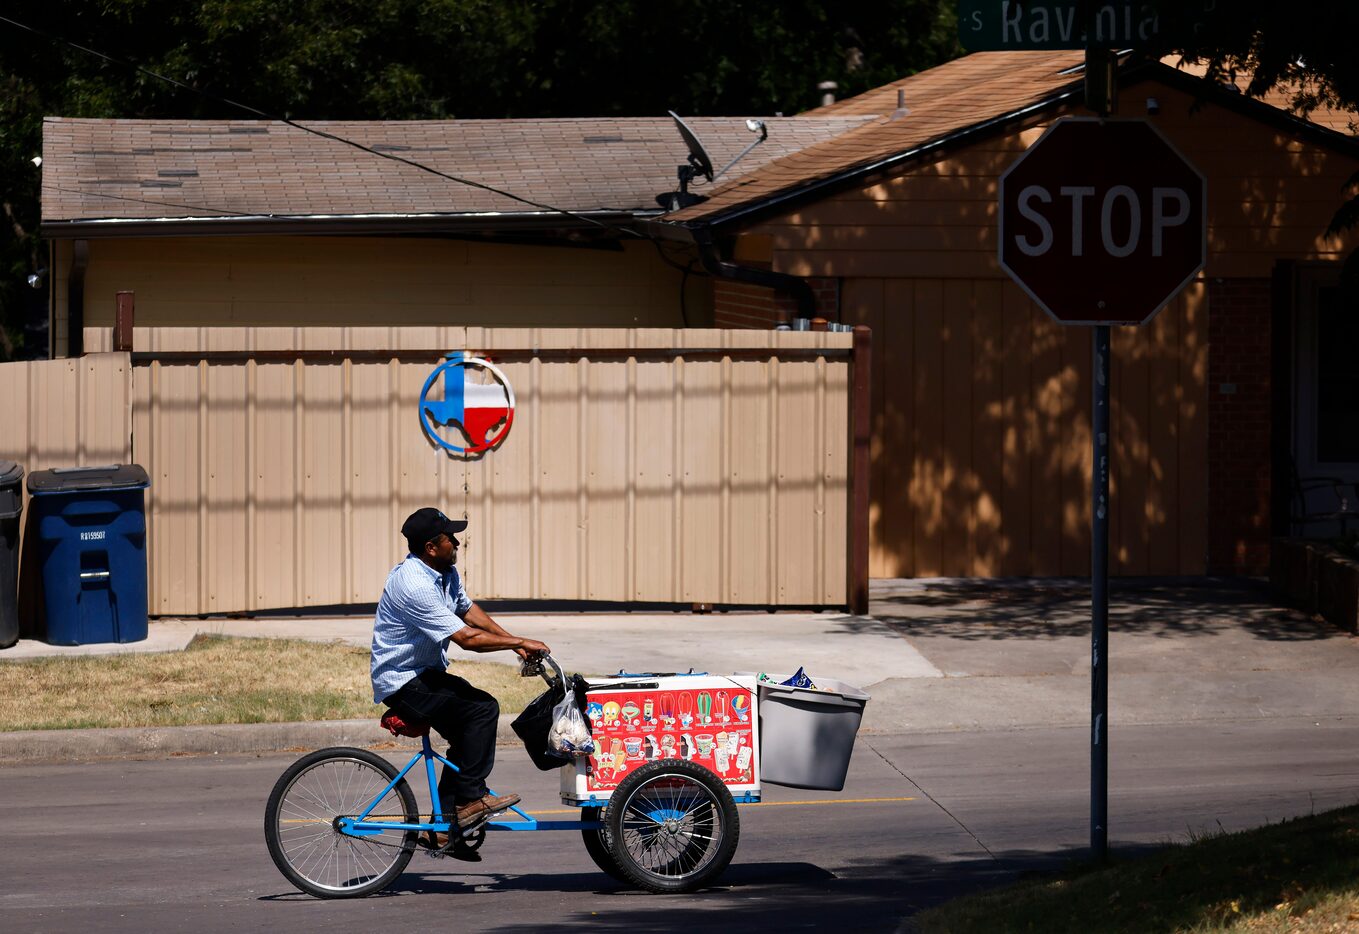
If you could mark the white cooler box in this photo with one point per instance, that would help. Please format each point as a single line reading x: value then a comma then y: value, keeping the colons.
x: 636, y: 719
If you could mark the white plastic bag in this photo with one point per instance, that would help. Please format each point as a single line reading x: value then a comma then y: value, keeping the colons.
x: 569, y: 733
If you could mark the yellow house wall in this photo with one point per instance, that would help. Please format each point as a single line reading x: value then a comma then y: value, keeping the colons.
x: 302, y: 281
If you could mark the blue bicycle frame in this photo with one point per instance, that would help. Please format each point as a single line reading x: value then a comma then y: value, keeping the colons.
x: 362, y: 827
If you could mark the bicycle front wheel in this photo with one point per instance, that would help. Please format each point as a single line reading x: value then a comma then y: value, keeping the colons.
x: 671, y: 826
x: 301, y: 823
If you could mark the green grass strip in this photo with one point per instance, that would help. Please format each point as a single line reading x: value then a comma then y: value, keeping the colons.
x: 1300, y: 875
x: 217, y: 679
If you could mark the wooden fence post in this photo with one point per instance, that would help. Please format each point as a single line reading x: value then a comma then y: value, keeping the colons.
x: 861, y: 430
x: 122, y: 322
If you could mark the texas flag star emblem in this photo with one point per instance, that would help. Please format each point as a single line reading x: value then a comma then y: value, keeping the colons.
x: 477, y: 405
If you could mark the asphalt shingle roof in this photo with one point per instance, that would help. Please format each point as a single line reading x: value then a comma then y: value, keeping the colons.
x: 142, y: 169
x: 95, y: 170
x: 938, y: 103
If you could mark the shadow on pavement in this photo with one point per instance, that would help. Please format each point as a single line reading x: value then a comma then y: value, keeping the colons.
x: 762, y: 897
x: 975, y: 610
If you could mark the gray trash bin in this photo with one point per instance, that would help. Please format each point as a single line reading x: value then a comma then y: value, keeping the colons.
x: 807, y: 736
x: 11, y: 507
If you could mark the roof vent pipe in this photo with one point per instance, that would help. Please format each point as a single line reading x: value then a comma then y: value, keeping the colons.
x: 901, y: 110
x: 827, y: 89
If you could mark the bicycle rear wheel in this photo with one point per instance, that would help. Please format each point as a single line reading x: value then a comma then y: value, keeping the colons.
x: 301, y: 823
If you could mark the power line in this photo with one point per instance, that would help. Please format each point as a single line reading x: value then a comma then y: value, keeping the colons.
x: 321, y: 133
x: 168, y: 204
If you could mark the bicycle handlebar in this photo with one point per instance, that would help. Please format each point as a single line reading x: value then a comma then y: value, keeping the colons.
x: 537, y: 665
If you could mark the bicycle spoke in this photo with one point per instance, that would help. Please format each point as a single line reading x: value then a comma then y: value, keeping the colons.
x: 670, y: 826
x: 311, y: 843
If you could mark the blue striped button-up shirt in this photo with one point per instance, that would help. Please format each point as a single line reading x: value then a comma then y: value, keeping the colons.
x: 419, y: 610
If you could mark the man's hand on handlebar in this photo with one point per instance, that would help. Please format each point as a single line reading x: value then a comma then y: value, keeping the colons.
x: 532, y: 648
x: 531, y: 659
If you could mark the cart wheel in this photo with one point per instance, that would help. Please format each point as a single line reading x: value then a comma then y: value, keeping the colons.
x: 597, y: 844
x: 671, y: 826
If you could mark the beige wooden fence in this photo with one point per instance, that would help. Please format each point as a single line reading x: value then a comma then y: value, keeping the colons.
x: 66, y: 413
x: 653, y: 471
x: 62, y: 413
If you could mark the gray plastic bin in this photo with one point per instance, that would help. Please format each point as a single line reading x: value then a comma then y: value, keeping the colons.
x: 806, y: 736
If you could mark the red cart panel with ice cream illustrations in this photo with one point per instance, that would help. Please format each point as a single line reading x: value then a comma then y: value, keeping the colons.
x: 707, y: 719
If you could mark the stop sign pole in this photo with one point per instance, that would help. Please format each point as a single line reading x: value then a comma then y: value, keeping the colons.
x: 1101, y: 222
x: 1100, y: 96
x: 1103, y: 227
x: 1099, y: 594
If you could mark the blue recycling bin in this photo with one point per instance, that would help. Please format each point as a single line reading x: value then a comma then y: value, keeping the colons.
x: 91, y: 528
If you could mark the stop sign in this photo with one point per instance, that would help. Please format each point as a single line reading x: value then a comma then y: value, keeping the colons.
x: 1102, y: 221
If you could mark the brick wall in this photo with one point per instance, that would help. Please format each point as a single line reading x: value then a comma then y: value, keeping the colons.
x: 741, y: 305
x: 1238, y: 426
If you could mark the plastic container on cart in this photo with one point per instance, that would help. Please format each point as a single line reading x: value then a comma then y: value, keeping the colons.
x: 11, y: 506
x: 807, y: 735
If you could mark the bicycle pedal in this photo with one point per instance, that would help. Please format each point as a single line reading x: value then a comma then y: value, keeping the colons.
x: 461, y: 851
x: 457, y: 848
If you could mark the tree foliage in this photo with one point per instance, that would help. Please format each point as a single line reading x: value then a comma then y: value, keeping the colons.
x: 407, y: 59
x: 1304, y: 49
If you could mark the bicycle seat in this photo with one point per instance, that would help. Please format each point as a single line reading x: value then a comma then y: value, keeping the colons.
x: 392, y: 722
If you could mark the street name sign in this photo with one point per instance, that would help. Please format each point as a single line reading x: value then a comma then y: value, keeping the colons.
x: 1102, y: 221
x: 1007, y: 25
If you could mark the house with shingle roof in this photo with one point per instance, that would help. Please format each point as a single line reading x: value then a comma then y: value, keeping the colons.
x: 515, y: 222
x: 878, y: 210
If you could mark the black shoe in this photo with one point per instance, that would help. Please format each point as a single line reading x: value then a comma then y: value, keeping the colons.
x: 454, y: 846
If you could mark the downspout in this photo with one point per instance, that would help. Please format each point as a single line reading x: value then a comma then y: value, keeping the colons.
x: 712, y: 261
x: 75, y: 301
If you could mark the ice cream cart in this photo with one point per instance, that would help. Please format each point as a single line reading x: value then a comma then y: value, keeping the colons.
x: 673, y: 754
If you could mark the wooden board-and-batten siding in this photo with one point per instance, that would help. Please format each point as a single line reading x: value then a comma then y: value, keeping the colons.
x: 981, y: 460
x: 981, y: 457
x: 652, y: 477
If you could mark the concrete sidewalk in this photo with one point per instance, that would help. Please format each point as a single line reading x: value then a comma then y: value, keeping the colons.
x: 936, y: 655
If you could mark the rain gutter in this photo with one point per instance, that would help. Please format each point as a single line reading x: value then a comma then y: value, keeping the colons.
x: 710, y: 255
x: 332, y: 224
x: 796, y: 286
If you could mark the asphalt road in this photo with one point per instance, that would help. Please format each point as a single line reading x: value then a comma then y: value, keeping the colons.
x: 177, y: 844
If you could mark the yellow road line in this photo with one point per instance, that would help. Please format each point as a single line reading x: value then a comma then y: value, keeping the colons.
x: 769, y: 804
x: 780, y: 804
x: 758, y: 804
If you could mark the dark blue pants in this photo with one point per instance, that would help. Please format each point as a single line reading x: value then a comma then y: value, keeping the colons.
x: 463, y: 715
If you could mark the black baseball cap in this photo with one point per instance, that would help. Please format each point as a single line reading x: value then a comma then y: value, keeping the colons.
x: 425, y: 525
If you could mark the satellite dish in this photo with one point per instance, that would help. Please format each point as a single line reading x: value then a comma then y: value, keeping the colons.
x: 698, y: 156
x: 700, y: 164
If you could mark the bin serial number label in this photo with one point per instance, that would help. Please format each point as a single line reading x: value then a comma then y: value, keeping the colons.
x: 93, y: 536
